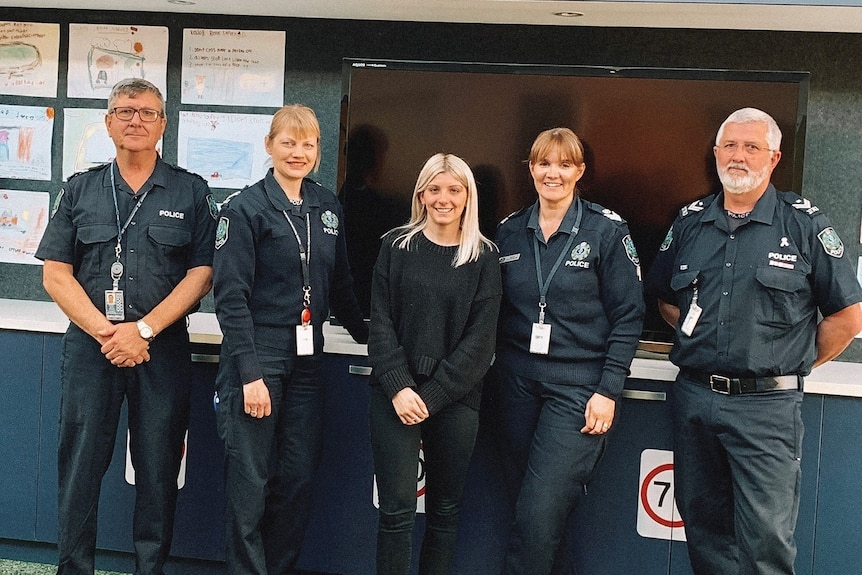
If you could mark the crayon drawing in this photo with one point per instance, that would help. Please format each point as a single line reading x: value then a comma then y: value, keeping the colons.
x: 100, y: 55
x: 226, y: 149
x: 25, y: 142
x: 29, y: 59
x: 23, y: 217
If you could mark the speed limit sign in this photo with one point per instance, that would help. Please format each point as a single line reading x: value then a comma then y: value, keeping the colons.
x: 657, y: 514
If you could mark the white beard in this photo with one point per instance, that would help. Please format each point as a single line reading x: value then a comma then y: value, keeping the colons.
x: 739, y: 185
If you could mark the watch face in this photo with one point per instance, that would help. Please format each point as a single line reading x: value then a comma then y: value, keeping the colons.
x: 145, y: 331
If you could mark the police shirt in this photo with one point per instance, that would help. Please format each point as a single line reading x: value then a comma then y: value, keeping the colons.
x: 759, y: 286
x: 257, y: 274
x: 594, y: 302
x: 171, y: 233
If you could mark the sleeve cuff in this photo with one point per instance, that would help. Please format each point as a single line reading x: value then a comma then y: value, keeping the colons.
x: 395, y: 380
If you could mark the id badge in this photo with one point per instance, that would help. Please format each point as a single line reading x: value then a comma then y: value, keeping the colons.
x: 304, y: 340
x: 540, y: 338
x: 114, y: 306
x: 691, y: 319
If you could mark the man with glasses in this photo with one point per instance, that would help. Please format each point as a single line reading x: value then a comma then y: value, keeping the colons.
x: 742, y: 276
x: 128, y: 254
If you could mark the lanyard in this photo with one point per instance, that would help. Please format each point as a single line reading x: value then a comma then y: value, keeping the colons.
x: 117, y: 267
x: 543, y: 284
x: 304, y: 259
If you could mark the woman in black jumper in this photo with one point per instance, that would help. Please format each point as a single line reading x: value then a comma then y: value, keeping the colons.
x: 435, y: 297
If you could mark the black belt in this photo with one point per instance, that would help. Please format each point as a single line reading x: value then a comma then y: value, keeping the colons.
x: 736, y: 385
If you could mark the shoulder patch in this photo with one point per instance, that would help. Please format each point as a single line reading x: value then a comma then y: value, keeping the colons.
x: 832, y: 244
x: 213, y: 206
x: 57, y: 201
x: 668, y: 240
x: 222, y: 232
x: 631, y: 251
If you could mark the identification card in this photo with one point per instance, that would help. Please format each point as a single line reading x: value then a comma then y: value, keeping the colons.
x: 114, y: 306
x: 691, y: 319
x: 304, y: 340
x: 540, y: 339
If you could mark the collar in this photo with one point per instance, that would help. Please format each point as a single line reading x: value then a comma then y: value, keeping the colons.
x: 763, y: 212
x: 310, y: 197
x: 565, y: 225
x: 159, y: 177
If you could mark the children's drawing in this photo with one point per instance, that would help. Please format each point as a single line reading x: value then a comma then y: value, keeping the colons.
x: 23, y: 217
x: 101, y: 55
x: 25, y: 142
x: 29, y: 58
x: 226, y: 149
x: 233, y: 67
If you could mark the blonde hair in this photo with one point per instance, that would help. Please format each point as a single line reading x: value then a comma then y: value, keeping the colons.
x: 562, y: 140
x: 298, y: 119
x: 472, y: 242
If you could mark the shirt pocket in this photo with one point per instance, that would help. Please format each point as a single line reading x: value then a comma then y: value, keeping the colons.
x: 782, y: 296
x: 166, y: 255
x: 96, y: 243
x: 682, y: 284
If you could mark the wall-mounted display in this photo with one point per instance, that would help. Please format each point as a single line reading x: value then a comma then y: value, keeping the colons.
x: 25, y: 142
x: 29, y: 59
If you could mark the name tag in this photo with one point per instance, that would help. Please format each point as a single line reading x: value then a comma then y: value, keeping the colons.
x: 540, y: 338
x: 511, y: 258
x: 304, y: 340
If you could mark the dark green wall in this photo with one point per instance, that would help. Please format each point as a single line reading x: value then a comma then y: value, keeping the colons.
x: 833, y: 155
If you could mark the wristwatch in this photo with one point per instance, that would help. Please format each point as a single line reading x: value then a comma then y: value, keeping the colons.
x: 145, y: 331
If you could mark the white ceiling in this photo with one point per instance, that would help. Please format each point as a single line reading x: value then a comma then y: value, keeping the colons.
x: 750, y: 15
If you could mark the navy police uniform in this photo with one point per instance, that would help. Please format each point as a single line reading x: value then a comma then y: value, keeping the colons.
x: 759, y: 286
x: 171, y: 233
x: 258, y: 287
x: 595, y: 308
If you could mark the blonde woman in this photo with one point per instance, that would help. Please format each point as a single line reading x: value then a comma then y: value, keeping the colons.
x: 434, y: 302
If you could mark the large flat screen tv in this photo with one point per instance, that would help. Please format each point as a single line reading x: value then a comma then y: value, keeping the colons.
x: 648, y: 135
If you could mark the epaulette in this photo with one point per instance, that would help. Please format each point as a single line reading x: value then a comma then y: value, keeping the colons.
x: 606, y: 212
x: 182, y: 169
x: 88, y: 170
x: 512, y: 215
x: 799, y: 203
x: 225, y: 201
x: 696, y: 206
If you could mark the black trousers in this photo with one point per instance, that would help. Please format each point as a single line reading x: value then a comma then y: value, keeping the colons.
x: 93, y: 392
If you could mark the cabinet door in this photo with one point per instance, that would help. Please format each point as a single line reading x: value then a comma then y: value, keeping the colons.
x: 20, y: 371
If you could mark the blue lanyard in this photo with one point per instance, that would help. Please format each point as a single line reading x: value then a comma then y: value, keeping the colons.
x: 304, y: 256
x: 121, y: 230
x: 543, y: 284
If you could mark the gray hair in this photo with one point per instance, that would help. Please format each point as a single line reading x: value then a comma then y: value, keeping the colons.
x: 745, y: 115
x: 131, y: 87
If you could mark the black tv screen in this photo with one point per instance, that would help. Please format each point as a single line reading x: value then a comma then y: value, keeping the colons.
x: 648, y: 135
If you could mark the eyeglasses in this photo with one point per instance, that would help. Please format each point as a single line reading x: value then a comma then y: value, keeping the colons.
x: 126, y: 114
x: 748, y: 148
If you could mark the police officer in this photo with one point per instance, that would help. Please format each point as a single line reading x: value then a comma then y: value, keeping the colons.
x: 742, y: 275
x: 280, y: 264
x: 569, y: 326
x: 128, y: 254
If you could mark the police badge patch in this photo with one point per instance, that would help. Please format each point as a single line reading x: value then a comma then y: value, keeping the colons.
x: 221, y: 232
x: 330, y: 222
x: 831, y: 242
x: 581, y: 252
x: 631, y: 251
x: 56, y: 205
x: 668, y: 239
x: 213, y: 206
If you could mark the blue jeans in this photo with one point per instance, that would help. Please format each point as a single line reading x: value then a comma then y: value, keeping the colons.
x: 270, y: 462
x: 737, y: 474
x: 447, y: 438
x: 548, y: 462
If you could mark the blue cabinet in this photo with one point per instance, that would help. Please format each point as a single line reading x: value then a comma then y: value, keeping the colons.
x: 20, y: 413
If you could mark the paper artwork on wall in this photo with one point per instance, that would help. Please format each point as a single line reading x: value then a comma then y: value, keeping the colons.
x: 23, y: 217
x: 100, y: 55
x: 226, y: 149
x: 233, y: 67
x: 29, y: 59
x: 25, y: 142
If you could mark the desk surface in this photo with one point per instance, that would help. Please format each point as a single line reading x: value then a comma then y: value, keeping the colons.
x: 834, y: 378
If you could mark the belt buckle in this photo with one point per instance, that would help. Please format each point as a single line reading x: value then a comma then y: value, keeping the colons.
x: 719, y: 384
